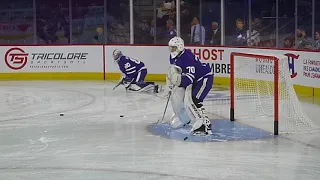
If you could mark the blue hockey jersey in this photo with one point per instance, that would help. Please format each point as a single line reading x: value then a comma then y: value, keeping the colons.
x: 129, y: 66
x: 192, y: 69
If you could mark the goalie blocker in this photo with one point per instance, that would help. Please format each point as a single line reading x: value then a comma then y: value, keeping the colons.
x: 193, y: 81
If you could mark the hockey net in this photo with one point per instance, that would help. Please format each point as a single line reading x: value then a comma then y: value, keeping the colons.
x: 262, y: 96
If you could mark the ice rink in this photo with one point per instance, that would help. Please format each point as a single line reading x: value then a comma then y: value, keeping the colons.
x: 92, y: 142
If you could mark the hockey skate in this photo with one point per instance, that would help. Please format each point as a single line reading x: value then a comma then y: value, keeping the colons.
x: 202, y: 127
x: 158, y: 88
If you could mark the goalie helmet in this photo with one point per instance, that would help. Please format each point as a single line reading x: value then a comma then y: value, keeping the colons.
x: 117, y: 54
x: 176, y: 46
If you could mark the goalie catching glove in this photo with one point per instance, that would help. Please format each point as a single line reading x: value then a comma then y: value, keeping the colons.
x: 174, y: 75
x: 125, y: 81
x: 173, y: 79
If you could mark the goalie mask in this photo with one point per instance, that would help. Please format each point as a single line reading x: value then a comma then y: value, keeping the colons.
x: 176, y: 46
x: 117, y: 54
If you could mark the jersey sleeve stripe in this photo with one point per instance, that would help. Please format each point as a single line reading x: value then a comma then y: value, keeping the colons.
x: 131, y: 72
x: 190, y: 78
x: 202, y: 88
x: 129, y: 69
x: 190, y: 75
x: 204, y: 76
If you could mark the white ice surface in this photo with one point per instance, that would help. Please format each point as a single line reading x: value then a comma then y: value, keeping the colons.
x: 91, y: 141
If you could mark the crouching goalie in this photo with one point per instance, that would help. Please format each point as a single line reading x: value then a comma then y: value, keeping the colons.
x: 190, y: 81
x: 133, y: 73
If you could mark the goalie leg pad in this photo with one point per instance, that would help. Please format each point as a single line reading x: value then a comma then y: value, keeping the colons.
x: 141, y: 87
x: 177, y: 98
x: 196, y: 112
x: 177, y: 102
x: 191, y: 108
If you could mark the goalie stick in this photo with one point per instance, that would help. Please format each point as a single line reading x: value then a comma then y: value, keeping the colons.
x: 121, y: 82
x: 169, y: 96
x: 165, y: 109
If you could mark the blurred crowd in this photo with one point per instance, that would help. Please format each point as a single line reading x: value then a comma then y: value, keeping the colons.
x: 86, y: 22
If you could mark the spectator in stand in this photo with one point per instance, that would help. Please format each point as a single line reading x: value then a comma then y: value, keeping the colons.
x: 288, y: 42
x: 184, y: 8
x: 154, y: 31
x: 317, y: 43
x: 172, y: 15
x: 257, y: 24
x: 254, y: 40
x: 268, y: 43
x: 163, y: 12
x: 240, y: 37
x: 303, y: 41
x: 171, y: 31
x: 215, y: 34
x: 49, y: 21
x: 258, y: 34
x: 198, y: 32
x: 99, y: 38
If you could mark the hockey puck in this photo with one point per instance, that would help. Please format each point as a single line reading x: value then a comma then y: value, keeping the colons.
x: 121, y: 116
x: 185, y: 138
x: 61, y: 114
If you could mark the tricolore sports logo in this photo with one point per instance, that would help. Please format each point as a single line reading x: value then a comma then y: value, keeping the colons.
x: 16, y: 58
x: 291, y: 59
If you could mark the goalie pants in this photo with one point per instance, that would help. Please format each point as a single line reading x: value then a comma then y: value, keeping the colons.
x: 201, y: 88
x: 141, y: 75
x: 139, y: 79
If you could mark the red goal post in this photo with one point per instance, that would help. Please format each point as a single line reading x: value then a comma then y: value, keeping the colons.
x: 276, y: 85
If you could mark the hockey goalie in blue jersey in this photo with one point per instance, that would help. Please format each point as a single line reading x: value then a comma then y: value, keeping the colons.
x: 189, y: 81
x: 133, y: 73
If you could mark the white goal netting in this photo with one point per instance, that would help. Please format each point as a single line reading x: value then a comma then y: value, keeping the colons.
x: 254, y: 100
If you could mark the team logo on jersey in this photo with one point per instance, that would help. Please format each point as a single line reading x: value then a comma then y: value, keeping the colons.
x: 291, y: 59
x: 16, y: 58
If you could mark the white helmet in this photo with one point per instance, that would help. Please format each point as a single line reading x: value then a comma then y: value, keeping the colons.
x: 116, y: 55
x: 176, y: 46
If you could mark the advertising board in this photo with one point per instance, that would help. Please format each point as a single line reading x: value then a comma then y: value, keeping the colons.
x: 51, y: 59
x: 304, y: 67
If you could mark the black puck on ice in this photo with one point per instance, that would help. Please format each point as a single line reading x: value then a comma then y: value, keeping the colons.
x: 61, y: 114
x: 185, y: 138
x: 121, y: 115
